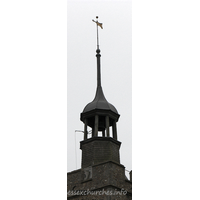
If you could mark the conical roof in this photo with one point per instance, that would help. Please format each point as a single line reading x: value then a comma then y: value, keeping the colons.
x: 99, y: 103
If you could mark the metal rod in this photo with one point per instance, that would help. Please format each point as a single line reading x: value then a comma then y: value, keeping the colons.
x: 75, y: 149
x: 98, y: 24
x: 97, y: 38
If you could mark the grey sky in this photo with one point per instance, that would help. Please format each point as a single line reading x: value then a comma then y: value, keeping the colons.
x: 165, y: 93
x: 115, y: 44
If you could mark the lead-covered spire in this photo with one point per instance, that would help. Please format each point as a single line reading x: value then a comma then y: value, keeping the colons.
x: 99, y: 114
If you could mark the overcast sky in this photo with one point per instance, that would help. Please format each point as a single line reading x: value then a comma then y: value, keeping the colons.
x: 165, y: 92
x: 116, y: 55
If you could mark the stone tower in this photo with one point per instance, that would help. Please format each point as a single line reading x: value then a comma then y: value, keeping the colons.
x: 101, y: 176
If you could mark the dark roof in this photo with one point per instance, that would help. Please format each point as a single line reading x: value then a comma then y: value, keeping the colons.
x: 99, y: 102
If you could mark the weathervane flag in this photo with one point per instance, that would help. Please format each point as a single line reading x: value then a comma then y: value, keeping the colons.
x: 98, y: 24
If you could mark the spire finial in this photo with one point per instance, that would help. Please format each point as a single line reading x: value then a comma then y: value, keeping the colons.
x: 98, y: 24
x: 98, y: 55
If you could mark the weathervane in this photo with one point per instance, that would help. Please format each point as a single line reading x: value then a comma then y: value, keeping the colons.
x: 98, y: 24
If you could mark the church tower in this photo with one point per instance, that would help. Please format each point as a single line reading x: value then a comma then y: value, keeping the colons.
x: 101, y: 176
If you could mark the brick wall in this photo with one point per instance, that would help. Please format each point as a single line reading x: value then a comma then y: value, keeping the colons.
x: 101, y: 171
x: 106, y: 177
x: 99, y: 150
